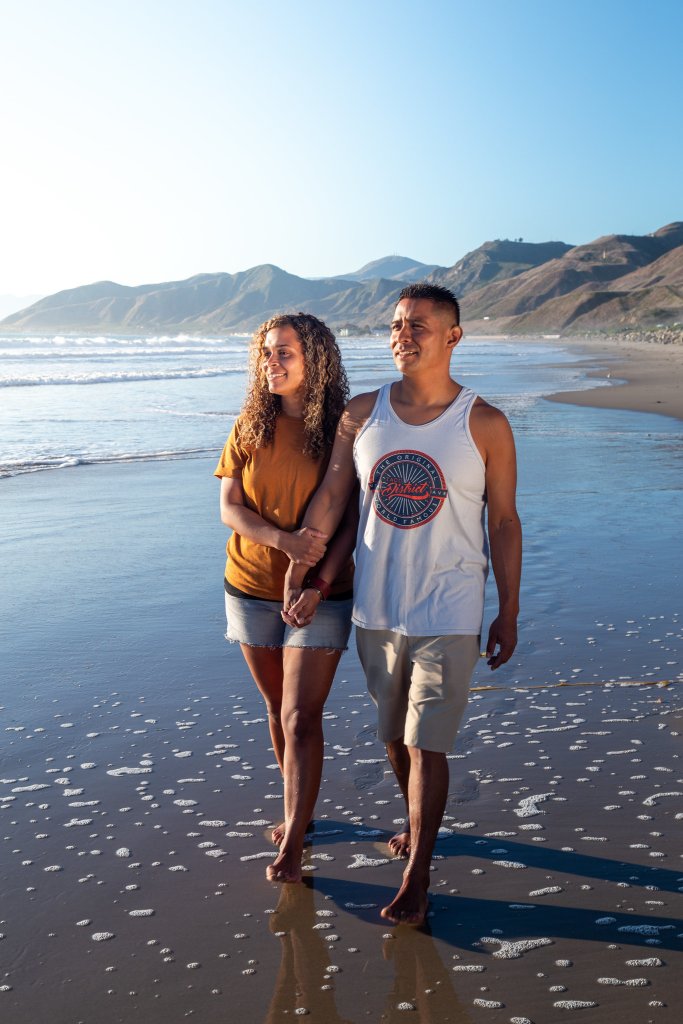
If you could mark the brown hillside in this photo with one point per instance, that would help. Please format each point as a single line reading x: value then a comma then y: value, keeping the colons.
x: 600, y: 262
x: 667, y: 270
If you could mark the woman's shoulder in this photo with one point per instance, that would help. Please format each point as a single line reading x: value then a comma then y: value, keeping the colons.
x: 239, y: 432
x: 237, y: 442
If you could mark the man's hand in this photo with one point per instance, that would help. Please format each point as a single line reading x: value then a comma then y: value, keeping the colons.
x: 503, y: 634
x: 305, y: 546
x: 302, y: 610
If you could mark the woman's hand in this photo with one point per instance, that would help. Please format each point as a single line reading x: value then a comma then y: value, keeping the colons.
x: 301, y: 611
x: 304, y: 547
x: 291, y: 594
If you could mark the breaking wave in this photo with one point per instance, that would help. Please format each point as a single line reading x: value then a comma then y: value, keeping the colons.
x: 19, y: 467
x: 38, y: 380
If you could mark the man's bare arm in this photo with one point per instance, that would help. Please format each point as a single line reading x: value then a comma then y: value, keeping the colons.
x: 329, y: 502
x: 492, y: 434
x: 299, y: 605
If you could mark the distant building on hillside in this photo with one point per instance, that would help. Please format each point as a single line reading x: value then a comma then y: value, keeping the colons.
x: 354, y: 330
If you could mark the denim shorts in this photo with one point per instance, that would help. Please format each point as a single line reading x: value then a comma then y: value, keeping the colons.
x: 260, y: 624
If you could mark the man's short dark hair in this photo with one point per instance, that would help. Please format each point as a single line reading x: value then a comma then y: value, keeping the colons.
x: 435, y: 293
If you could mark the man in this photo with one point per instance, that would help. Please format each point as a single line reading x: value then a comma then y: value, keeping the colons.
x: 430, y: 457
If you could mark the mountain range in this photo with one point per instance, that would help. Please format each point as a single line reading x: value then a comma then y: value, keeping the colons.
x: 510, y: 286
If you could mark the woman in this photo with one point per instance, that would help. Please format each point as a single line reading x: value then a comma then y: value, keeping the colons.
x: 270, y: 468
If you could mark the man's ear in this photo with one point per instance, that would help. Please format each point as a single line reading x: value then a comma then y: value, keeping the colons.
x: 455, y: 336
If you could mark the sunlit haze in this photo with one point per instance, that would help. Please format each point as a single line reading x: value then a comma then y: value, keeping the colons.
x: 152, y: 141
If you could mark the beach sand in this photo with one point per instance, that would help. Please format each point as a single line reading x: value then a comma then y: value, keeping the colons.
x: 646, y: 377
x: 137, y: 788
x: 135, y: 884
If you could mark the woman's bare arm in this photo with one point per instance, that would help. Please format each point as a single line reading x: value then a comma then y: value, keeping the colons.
x: 304, y: 547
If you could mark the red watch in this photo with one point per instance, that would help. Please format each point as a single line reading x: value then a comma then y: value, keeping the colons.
x: 316, y: 583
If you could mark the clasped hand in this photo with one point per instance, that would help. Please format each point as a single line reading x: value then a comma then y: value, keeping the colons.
x: 300, y: 606
x: 305, y: 546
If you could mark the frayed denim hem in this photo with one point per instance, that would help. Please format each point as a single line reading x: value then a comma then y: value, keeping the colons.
x: 309, y: 647
x: 287, y: 647
x: 261, y: 647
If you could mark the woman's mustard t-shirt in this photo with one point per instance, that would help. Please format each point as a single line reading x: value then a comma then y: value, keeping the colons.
x: 278, y: 483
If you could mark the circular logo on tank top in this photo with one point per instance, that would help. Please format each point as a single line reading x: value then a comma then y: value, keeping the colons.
x: 409, y: 489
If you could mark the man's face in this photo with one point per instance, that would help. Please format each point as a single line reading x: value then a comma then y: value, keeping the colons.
x: 423, y: 336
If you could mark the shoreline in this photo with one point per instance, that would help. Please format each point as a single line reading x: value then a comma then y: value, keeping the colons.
x: 649, y: 377
x: 645, y: 375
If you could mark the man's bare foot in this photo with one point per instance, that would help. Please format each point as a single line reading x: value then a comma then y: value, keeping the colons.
x: 285, y: 868
x: 400, y: 843
x: 409, y: 906
x: 278, y: 833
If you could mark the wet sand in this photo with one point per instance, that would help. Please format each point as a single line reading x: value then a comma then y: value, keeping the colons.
x: 645, y: 377
x: 137, y: 788
x: 136, y: 841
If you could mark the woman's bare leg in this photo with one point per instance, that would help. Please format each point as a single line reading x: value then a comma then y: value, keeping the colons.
x: 265, y: 665
x: 308, y: 676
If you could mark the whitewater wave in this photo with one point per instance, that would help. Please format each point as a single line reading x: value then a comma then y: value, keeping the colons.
x: 116, y: 354
x: 40, y: 380
x: 59, y: 340
x: 194, y: 414
x: 19, y: 467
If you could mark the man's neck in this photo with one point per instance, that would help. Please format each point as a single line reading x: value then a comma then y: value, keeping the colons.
x: 418, y: 401
x: 425, y: 392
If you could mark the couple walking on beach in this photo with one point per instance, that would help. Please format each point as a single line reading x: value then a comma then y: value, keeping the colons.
x: 404, y: 475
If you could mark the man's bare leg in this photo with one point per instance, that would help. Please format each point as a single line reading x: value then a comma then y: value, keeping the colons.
x: 427, y: 795
x: 399, y: 759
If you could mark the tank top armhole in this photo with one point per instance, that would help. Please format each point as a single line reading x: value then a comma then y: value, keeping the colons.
x: 381, y: 395
x: 468, y: 431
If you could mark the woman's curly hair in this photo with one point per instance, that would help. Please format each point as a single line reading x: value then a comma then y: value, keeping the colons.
x: 326, y: 388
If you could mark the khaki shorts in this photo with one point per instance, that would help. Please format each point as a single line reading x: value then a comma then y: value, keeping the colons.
x: 420, y: 684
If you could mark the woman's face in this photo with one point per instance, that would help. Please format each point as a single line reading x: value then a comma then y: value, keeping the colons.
x: 283, y: 359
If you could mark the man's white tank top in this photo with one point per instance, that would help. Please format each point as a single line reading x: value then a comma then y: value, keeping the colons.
x: 422, y: 556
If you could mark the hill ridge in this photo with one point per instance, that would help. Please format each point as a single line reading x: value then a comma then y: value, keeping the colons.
x: 616, y: 280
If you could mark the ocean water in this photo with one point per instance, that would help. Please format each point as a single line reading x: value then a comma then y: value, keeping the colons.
x: 107, y: 448
x: 135, y: 764
x: 70, y: 401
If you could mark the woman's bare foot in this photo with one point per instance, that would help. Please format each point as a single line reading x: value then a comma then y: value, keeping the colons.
x: 278, y: 833
x: 400, y: 843
x: 409, y: 906
x: 285, y: 868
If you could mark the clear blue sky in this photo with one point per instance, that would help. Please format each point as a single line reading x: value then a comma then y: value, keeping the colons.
x: 154, y: 139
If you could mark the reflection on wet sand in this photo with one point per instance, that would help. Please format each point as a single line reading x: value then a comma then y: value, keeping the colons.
x: 304, y: 980
x: 421, y: 981
x: 307, y: 981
